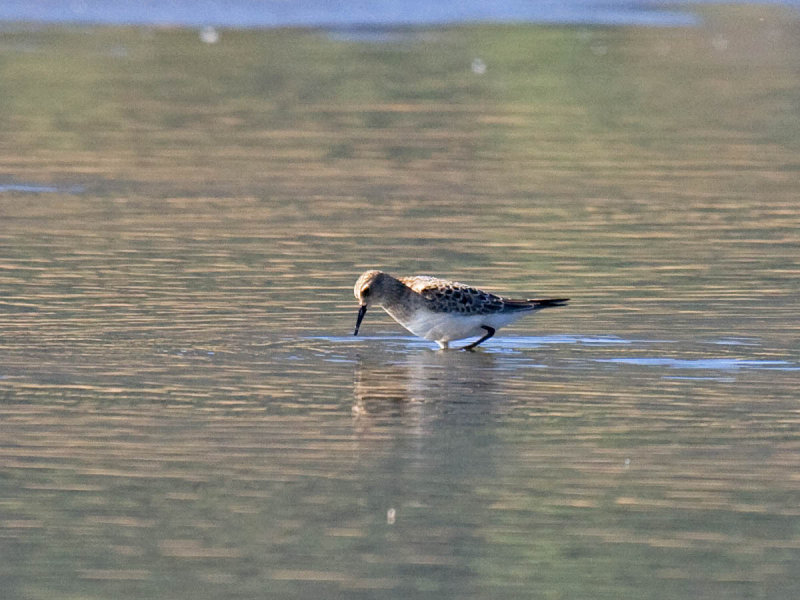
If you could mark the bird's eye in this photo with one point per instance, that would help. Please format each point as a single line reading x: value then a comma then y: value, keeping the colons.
x: 365, y: 292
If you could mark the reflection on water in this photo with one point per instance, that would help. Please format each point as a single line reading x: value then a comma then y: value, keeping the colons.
x: 184, y: 411
x: 402, y: 386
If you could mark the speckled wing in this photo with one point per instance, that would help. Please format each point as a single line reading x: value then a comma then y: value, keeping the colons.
x: 441, y: 295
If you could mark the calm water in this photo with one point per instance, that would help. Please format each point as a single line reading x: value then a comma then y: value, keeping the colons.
x: 184, y: 412
x: 333, y: 13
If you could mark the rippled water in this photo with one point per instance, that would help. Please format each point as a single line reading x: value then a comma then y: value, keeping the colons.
x: 184, y: 411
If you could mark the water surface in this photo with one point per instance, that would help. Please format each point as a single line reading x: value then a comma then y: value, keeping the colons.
x: 185, y: 413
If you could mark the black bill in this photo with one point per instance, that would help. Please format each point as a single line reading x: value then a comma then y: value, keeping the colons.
x: 361, y: 312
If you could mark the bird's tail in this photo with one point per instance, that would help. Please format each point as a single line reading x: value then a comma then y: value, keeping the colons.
x: 547, y: 302
x: 534, y: 303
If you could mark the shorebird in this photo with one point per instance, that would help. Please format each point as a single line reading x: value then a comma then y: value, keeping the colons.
x: 441, y: 310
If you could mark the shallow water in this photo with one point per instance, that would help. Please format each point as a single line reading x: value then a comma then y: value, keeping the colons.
x: 184, y: 411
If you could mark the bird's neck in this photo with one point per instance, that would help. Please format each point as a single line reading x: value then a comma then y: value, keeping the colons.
x: 398, y: 300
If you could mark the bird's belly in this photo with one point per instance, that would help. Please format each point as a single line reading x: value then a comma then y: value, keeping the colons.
x: 445, y: 327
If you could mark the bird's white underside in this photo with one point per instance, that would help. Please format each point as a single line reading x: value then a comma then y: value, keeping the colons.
x: 442, y: 327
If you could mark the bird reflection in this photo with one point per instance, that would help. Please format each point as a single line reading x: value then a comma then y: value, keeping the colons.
x: 417, y: 417
x: 422, y: 385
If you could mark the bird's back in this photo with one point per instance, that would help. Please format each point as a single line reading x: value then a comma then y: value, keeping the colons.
x: 443, y: 295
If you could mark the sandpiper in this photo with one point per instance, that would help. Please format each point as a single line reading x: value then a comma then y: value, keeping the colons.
x: 441, y: 310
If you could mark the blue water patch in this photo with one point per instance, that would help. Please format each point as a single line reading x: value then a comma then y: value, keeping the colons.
x: 688, y: 378
x: 335, y: 14
x: 32, y: 188
x: 360, y: 339
x: 715, y: 364
x: 734, y: 341
x: 601, y: 340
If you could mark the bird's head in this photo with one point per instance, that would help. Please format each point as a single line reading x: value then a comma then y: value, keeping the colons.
x: 370, y: 289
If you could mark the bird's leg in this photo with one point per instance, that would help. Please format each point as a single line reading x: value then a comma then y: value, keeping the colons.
x: 489, y: 333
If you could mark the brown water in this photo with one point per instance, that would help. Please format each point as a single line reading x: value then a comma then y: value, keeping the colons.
x: 184, y: 412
